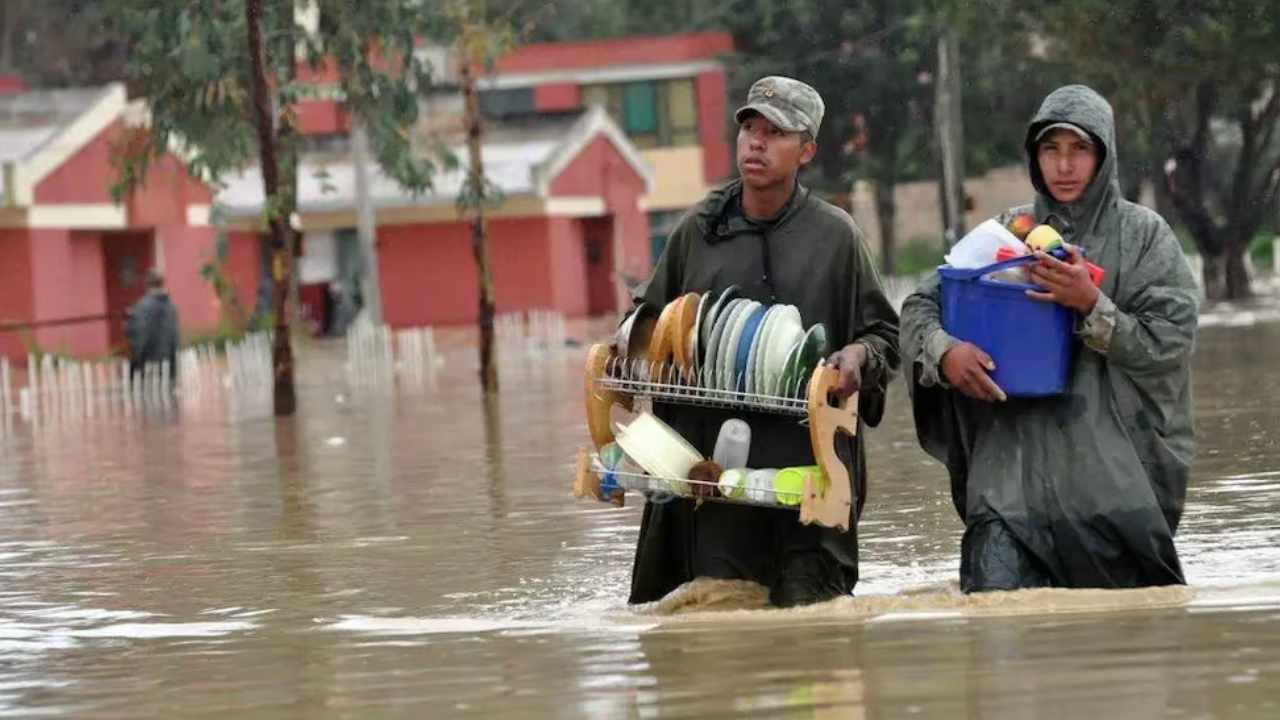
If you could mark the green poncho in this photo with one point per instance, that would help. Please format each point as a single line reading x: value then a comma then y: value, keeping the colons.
x: 812, y: 256
x: 1085, y: 489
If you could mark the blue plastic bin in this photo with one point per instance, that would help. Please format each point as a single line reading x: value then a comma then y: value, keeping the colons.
x: 1030, y: 341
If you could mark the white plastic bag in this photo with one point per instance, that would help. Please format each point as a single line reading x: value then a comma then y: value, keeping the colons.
x: 978, y: 248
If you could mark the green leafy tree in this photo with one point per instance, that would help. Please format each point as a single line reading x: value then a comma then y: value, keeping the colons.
x: 220, y: 78
x: 1196, y: 88
x: 56, y: 43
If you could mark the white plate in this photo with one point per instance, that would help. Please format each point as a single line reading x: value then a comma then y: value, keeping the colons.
x: 729, y: 350
x: 711, y: 368
x: 788, y: 332
x: 718, y: 306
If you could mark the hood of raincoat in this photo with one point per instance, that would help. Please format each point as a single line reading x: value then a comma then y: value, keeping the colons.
x: 1084, y: 108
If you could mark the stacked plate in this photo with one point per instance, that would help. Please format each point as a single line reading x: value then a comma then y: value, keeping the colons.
x: 743, y: 346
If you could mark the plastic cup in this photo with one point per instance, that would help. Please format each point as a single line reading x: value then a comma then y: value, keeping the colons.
x: 788, y: 484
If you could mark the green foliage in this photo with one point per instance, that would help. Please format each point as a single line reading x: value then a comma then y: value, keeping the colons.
x: 190, y: 60
x: 219, y: 338
x: 1262, y: 250
x: 59, y: 43
x: 918, y: 255
x: 864, y: 58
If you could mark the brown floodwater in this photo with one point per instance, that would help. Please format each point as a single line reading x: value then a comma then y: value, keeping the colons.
x: 402, y: 552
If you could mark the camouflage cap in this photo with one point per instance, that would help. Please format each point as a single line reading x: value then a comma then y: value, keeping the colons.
x: 785, y: 102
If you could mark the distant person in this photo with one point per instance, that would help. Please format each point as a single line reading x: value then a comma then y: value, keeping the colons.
x: 779, y: 243
x: 1085, y: 489
x: 151, y: 327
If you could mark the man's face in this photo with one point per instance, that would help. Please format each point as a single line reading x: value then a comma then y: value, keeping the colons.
x: 1067, y: 163
x: 769, y: 155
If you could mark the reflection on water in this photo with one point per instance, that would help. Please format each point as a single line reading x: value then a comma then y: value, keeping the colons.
x: 418, y: 553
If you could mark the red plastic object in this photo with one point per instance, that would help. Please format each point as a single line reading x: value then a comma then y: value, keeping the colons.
x: 1095, y: 272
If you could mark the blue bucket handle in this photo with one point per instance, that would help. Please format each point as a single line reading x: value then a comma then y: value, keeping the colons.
x: 971, y: 273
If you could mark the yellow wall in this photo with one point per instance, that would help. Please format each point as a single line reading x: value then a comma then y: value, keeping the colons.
x: 677, y: 177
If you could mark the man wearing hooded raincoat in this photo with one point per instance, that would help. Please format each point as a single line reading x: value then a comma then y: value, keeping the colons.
x: 151, y: 327
x: 1084, y: 489
x: 777, y: 242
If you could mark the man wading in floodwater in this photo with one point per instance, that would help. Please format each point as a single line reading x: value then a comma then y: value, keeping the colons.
x: 778, y: 243
x: 1085, y: 489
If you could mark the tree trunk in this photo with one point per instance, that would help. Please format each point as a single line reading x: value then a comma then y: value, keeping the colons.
x: 1213, y: 275
x: 287, y: 150
x: 366, y: 225
x: 949, y: 121
x: 475, y: 204
x: 281, y: 262
x: 886, y: 213
x: 1236, y: 275
x: 8, y: 24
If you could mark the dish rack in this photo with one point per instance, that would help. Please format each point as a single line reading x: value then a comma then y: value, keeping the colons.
x: 616, y: 381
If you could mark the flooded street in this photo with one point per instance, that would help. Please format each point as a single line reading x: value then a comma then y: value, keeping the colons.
x: 400, y: 554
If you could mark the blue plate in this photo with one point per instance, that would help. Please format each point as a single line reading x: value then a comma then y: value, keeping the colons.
x: 744, y: 345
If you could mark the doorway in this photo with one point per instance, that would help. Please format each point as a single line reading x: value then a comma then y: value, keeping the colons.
x: 126, y: 258
x: 601, y: 295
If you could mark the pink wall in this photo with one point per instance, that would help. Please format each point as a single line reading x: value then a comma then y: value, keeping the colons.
x: 185, y: 250
x: 519, y: 251
x: 568, y: 259
x: 164, y: 198
x: 712, y: 133
x: 556, y: 96
x: 15, y: 289
x: 85, y: 177
x: 616, y: 51
x: 244, y: 267
x: 68, y: 282
x: 428, y: 271
x: 322, y: 117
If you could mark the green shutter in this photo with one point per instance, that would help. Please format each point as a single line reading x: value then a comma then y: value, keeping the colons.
x: 640, y: 106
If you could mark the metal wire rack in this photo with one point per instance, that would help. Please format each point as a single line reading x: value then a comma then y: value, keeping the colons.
x: 706, y: 387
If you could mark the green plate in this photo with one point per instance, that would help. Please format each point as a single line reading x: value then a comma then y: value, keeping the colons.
x: 800, y: 364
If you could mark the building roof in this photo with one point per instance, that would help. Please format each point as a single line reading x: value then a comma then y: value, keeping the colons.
x: 41, y: 129
x: 520, y: 158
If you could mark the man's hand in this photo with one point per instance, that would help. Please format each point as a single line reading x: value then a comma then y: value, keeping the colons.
x: 966, y: 367
x: 1066, y: 283
x: 849, y: 361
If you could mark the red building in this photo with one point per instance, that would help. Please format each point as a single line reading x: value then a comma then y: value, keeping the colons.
x: 597, y: 148
x: 72, y: 260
